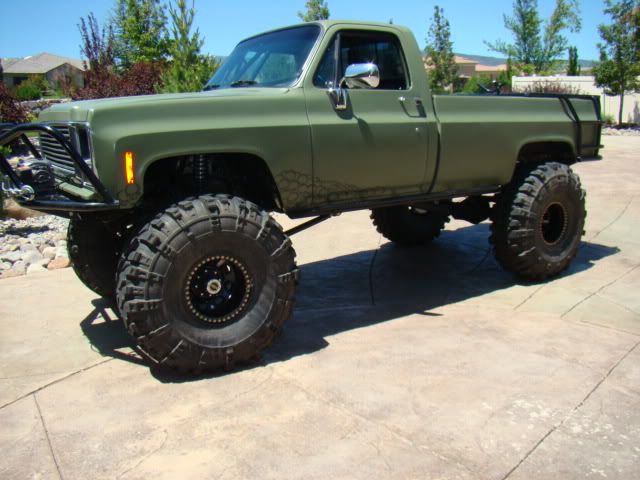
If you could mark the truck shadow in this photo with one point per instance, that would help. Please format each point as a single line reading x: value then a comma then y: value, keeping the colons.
x: 362, y: 289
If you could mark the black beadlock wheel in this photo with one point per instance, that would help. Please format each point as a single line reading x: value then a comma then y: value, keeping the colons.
x: 207, y: 284
x: 408, y: 225
x: 94, y: 249
x: 538, y: 221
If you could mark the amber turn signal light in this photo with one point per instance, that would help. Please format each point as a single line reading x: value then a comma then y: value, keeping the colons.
x: 129, y: 168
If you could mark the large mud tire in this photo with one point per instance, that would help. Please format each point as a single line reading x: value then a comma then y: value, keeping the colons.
x: 94, y: 249
x: 207, y: 284
x: 538, y: 221
x: 407, y: 225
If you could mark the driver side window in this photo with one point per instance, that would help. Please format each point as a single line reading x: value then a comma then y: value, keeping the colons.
x: 383, y: 49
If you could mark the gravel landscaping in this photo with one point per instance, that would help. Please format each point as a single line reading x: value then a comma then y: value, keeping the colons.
x: 629, y: 131
x: 32, y: 245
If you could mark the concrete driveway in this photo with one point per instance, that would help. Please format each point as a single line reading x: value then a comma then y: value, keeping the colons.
x: 399, y: 363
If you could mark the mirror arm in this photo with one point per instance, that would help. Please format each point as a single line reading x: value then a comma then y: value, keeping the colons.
x: 338, y: 97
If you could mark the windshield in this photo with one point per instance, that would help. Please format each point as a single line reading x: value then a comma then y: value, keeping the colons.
x: 270, y: 60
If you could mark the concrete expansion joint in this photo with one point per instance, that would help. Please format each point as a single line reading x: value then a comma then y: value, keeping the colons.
x: 570, y: 414
x: 481, y: 262
x: 530, y: 296
x: 145, y: 457
x: 618, y: 217
x: 620, y: 277
x: 46, y: 433
x: 58, y: 380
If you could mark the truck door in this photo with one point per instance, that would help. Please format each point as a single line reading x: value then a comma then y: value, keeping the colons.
x: 377, y: 147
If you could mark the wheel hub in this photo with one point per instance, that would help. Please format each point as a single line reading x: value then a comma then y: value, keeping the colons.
x: 214, y: 286
x: 554, y: 223
x: 217, y: 289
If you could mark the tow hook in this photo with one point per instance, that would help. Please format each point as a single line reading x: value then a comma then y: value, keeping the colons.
x: 24, y: 193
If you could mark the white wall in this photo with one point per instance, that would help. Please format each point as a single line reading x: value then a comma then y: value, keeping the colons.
x: 587, y: 86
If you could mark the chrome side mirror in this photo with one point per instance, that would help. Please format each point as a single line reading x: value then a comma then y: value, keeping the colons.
x: 362, y: 75
x: 357, y: 75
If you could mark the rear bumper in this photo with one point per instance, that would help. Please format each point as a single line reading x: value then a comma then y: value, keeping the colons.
x: 39, y: 193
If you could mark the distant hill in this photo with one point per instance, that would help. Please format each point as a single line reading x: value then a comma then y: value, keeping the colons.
x: 494, y: 61
x: 488, y: 61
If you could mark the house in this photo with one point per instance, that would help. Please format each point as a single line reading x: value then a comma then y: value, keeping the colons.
x: 467, y: 68
x: 53, y: 68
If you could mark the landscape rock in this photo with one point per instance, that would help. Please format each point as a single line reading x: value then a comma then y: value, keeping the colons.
x: 12, y: 256
x: 35, y: 268
x: 43, y: 262
x: 29, y: 247
x: 59, y: 262
x: 19, y: 266
x: 32, y: 256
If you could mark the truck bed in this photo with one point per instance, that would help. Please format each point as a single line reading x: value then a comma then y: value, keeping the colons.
x: 503, y: 125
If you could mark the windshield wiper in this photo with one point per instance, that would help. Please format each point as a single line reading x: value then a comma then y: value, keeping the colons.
x: 211, y: 86
x: 243, y: 83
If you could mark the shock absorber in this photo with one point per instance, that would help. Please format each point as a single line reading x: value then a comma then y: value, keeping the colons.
x: 200, y: 173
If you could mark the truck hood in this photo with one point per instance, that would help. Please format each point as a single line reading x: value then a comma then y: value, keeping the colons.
x: 82, y: 111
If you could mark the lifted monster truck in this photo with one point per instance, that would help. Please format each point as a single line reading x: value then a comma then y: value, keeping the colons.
x: 170, y: 196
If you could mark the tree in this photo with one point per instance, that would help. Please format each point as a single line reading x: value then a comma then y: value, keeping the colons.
x: 619, y: 66
x: 189, y: 69
x: 439, y: 52
x: 98, y: 52
x: 140, y: 29
x: 573, y: 67
x: 534, y: 50
x: 316, y: 10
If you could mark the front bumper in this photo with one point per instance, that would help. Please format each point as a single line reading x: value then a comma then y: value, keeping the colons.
x: 57, y: 196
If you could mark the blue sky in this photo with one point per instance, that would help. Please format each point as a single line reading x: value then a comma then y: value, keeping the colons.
x: 51, y: 26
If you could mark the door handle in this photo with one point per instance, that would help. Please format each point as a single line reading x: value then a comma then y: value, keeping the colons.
x: 418, y: 100
x: 419, y: 106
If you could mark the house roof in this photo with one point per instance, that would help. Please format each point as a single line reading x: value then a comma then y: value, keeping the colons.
x: 39, y: 64
x: 462, y: 60
x: 491, y: 68
x: 7, y: 62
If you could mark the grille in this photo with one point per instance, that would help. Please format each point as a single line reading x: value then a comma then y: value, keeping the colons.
x: 57, y: 155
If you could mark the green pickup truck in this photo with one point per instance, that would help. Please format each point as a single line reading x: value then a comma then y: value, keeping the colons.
x: 169, y: 196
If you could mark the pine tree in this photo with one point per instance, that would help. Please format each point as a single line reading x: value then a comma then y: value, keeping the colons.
x: 439, y: 51
x: 316, y: 10
x: 189, y: 69
x: 534, y: 50
x: 619, y: 66
x: 140, y: 29
x: 573, y: 67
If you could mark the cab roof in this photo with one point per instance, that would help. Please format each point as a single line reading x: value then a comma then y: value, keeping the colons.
x: 326, y: 24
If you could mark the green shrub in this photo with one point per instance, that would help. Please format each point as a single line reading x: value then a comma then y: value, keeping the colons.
x: 473, y: 84
x: 28, y: 91
x: 32, y: 88
x: 609, y: 119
